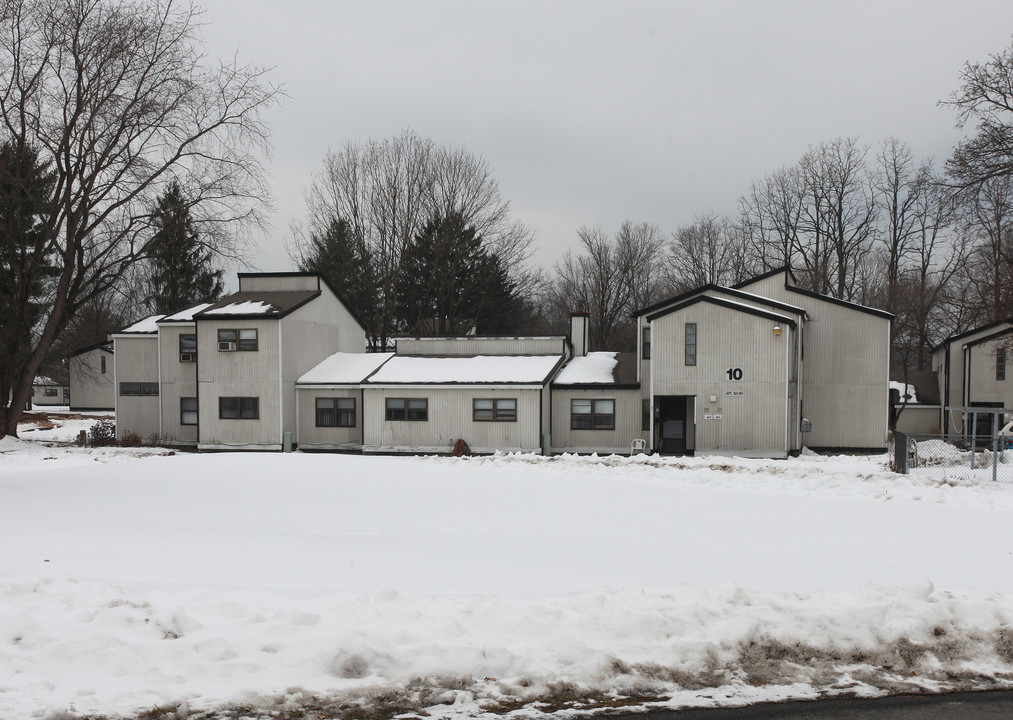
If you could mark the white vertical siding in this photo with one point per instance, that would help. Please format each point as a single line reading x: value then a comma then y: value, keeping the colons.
x: 179, y: 380
x: 754, y: 422
x: 450, y: 419
x: 477, y: 345
x: 90, y: 388
x: 277, y: 283
x: 328, y: 438
x: 984, y: 388
x: 845, y: 378
x: 239, y: 374
x: 136, y: 360
x: 627, y: 421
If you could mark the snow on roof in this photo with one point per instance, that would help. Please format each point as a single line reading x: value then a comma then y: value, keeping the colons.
x: 595, y: 367
x: 186, y: 315
x: 344, y: 368
x: 246, y: 307
x: 147, y: 325
x: 463, y: 370
x: 907, y: 391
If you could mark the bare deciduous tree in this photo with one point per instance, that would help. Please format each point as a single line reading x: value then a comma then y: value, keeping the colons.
x: 120, y: 100
x: 818, y: 217
x: 609, y: 278
x: 386, y: 191
x: 985, y: 99
x: 711, y: 250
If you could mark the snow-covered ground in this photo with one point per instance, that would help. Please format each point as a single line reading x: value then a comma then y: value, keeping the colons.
x: 136, y: 579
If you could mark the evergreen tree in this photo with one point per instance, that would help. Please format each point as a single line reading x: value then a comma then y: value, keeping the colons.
x: 344, y: 262
x: 449, y: 282
x: 26, y: 197
x: 181, y: 271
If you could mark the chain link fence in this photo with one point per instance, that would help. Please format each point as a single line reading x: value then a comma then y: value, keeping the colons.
x: 954, y: 458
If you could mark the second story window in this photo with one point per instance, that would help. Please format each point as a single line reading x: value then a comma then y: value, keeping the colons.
x: 244, y: 340
x: 646, y: 343
x: 1000, y: 364
x: 691, y: 343
x: 188, y: 348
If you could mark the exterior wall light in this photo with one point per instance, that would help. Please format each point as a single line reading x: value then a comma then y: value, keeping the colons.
x: 777, y: 330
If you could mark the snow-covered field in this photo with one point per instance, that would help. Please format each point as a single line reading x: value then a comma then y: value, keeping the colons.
x: 132, y: 580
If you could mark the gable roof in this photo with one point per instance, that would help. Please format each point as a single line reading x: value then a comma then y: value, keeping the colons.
x: 793, y: 287
x: 321, y: 280
x: 104, y: 346
x: 253, y: 304
x: 779, y: 270
x: 185, y: 315
x: 145, y: 326
x: 733, y: 292
x: 972, y: 331
x: 730, y: 304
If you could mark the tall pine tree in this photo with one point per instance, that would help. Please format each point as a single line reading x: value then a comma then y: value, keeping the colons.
x: 181, y: 271
x: 449, y: 282
x: 26, y: 268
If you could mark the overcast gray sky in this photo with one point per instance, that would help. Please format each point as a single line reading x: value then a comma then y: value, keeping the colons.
x: 595, y: 112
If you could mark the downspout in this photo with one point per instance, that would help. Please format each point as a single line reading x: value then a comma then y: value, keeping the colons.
x: 799, y: 372
x: 650, y: 390
x: 158, y: 355
x: 787, y: 386
x: 946, y: 393
x: 281, y: 388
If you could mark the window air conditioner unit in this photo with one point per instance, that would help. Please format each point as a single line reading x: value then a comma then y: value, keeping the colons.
x: 188, y: 357
x: 226, y: 346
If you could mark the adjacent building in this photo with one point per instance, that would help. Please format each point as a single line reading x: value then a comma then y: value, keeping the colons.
x: 972, y: 368
x: 91, y: 378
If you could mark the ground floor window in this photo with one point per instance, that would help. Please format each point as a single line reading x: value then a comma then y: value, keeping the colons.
x: 494, y: 410
x: 51, y: 392
x: 139, y: 388
x: 239, y: 408
x: 645, y: 414
x: 188, y: 411
x: 407, y: 409
x: 335, y: 412
x: 592, y: 414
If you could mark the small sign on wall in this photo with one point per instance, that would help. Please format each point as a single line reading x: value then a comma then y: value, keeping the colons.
x: 734, y: 393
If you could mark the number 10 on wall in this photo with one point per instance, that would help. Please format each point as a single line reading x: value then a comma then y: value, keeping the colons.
x: 734, y: 373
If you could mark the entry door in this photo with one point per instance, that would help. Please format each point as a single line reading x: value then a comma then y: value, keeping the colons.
x: 672, y: 425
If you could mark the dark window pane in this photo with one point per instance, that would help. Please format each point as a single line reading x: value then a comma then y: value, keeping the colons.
x: 346, y: 412
x: 188, y: 343
x: 325, y: 412
x: 130, y: 388
x: 226, y: 336
x: 188, y: 411
x: 247, y: 339
x: 691, y: 343
x: 482, y: 410
x: 395, y: 409
x: 249, y: 408
x: 418, y: 409
x: 228, y: 408
x: 506, y: 410
x: 149, y: 388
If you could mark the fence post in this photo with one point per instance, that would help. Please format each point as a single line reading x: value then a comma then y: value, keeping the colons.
x: 974, y: 436
x: 995, y: 447
x: 900, y: 451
